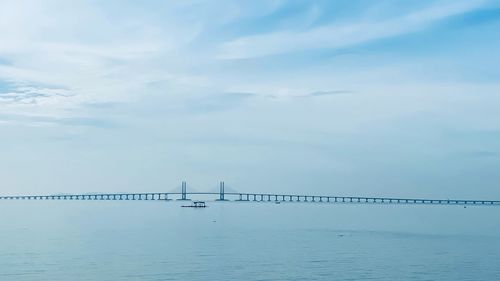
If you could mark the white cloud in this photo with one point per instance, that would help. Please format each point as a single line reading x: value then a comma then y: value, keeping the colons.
x: 90, y: 52
x: 340, y: 35
x: 98, y: 54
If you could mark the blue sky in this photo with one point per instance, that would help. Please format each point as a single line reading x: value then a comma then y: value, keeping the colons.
x: 335, y: 97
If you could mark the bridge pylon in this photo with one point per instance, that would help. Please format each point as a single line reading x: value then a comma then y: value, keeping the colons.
x: 221, y: 191
x: 184, y: 191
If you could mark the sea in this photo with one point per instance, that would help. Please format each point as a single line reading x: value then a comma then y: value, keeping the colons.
x: 158, y: 240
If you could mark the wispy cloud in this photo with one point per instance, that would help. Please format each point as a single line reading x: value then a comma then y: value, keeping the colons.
x: 341, y: 35
x: 97, y: 55
x: 36, y: 120
x: 31, y: 95
x: 328, y: 93
x: 219, y: 102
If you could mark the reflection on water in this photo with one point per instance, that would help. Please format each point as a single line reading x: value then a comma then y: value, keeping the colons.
x: 160, y: 241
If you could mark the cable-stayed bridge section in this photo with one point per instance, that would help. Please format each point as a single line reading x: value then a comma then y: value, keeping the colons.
x: 223, y: 196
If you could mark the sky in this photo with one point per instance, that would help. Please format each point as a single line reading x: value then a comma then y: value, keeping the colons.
x: 362, y: 98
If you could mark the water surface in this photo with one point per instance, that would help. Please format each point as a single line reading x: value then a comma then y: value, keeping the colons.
x: 144, y: 240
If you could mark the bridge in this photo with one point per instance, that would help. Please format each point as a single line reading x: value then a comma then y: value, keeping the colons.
x: 252, y: 197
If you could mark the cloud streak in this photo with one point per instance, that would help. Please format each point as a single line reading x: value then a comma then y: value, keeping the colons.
x: 91, y: 56
x: 341, y: 35
x: 31, y: 95
x: 35, y: 120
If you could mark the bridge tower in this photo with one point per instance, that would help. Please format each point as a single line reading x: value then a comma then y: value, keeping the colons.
x: 221, y: 191
x: 183, y: 191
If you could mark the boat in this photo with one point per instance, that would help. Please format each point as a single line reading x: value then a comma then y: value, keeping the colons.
x: 196, y: 204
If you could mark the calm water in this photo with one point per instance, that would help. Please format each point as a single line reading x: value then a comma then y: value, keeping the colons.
x: 229, y: 241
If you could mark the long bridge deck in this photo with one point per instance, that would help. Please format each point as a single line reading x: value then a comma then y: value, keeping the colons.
x: 252, y: 197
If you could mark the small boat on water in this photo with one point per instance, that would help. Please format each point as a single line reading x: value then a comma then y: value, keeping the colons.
x: 196, y: 204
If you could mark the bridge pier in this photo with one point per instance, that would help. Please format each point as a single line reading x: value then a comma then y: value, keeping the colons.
x: 243, y: 197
